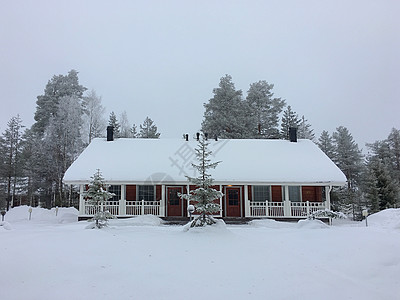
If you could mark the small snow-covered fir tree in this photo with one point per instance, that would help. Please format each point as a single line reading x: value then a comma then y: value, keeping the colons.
x: 325, y: 143
x: 204, y: 195
x: 289, y: 119
x: 148, y: 130
x: 304, y: 130
x: 97, y: 195
x: 112, y: 121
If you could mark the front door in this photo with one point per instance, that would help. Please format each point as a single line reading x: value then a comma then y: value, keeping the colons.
x: 174, y: 202
x: 233, y: 202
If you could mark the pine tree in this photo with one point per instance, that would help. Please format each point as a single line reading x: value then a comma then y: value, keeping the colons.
x: 47, y: 104
x: 204, y: 195
x: 62, y: 143
x: 349, y: 159
x: 325, y: 143
x: 305, y: 131
x: 12, y: 166
x: 112, y: 121
x: 393, y: 141
x: 97, y: 195
x: 380, y: 172
x: 264, y: 110
x: 148, y: 130
x: 133, y: 131
x: 370, y: 188
x: 289, y: 119
x: 226, y: 114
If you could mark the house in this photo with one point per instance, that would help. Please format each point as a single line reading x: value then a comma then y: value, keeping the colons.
x: 259, y: 178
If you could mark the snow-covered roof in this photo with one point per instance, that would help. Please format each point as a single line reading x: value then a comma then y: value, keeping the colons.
x: 167, y: 161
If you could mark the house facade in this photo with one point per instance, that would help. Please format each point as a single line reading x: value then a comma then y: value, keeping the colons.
x: 259, y: 178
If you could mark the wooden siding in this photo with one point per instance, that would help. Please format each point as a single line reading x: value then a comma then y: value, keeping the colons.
x: 158, y: 192
x: 311, y: 193
x: 276, y: 191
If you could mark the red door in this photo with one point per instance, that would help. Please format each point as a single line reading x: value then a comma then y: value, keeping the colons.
x: 174, y: 202
x: 233, y: 202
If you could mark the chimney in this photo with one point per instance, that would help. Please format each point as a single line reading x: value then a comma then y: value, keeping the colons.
x: 187, y: 137
x: 293, y: 134
x: 198, y: 135
x: 110, y: 133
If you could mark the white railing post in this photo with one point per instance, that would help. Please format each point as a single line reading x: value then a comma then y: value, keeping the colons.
x: 162, y: 203
x: 308, y: 208
x: 122, y: 202
x: 287, y: 211
x: 142, y: 209
x: 266, y: 209
x: 246, y: 201
x: 81, y: 201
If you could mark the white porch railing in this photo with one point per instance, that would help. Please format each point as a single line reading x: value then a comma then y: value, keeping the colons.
x: 137, y: 208
x: 278, y: 209
x: 133, y: 208
x: 111, y: 206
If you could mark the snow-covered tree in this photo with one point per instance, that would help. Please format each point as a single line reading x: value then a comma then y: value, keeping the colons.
x: 325, y: 143
x: 204, y: 195
x: 94, y: 120
x: 97, y: 195
x: 393, y: 141
x: 226, y: 114
x: 148, y: 130
x: 265, y: 110
x: 12, y: 161
x: 112, y: 121
x: 63, y: 143
x: 347, y: 156
x: 289, y: 119
x: 133, y: 131
x: 47, y: 105
x: 349, y: 159
x: 381, y: 175
x: 125, y: 129
x: 304, y: 130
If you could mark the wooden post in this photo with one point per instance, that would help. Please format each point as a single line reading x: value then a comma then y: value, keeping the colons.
x: 81, y: 201
x: 122, y: 202
x: 308, y: 208
x: 142, y: 209
x: 246, y: 201
x: 287, y: 212
x: 162, y: 203
x: 266, y: 209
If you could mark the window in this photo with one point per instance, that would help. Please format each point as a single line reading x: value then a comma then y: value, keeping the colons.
x: 261, y: 193
x: 146, y: 192
x: 233, y: 197
x: 294, y: 193
x: 116, y: 189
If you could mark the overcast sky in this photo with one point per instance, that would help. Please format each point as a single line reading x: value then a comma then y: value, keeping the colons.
x: 336, y: 62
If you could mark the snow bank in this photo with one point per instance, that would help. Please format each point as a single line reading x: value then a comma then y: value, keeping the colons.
x: 218, y: 228
x: 5, y: 225
x: 145, y: 220
x: 269, y: 223
x: 311, y: 224
x: 21, y: 214
x: 388, y: 218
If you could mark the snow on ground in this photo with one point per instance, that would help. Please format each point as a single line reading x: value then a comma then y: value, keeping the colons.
x: 54, y: 257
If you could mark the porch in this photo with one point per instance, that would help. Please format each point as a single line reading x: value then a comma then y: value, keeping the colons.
x: 274, y: 210
x: 238, y: 202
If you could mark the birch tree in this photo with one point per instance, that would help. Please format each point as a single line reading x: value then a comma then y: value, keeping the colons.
x: 94, y: 121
